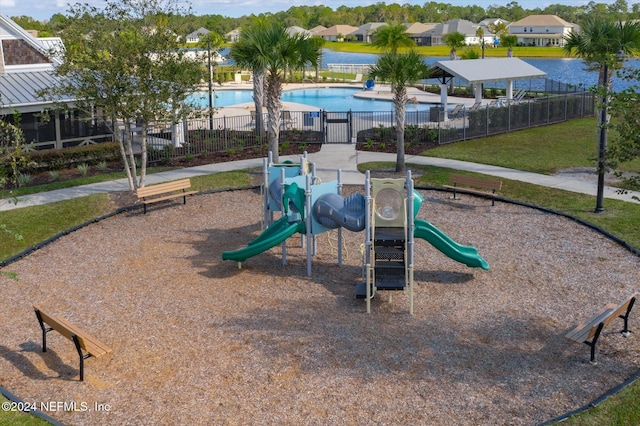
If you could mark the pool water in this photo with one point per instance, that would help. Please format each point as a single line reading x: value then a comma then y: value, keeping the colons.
x: 327, y: 98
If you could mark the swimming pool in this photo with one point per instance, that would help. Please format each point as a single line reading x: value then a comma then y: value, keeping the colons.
x: 327, y: 98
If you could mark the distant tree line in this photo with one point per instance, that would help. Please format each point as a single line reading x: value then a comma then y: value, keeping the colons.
x: 431, y: 12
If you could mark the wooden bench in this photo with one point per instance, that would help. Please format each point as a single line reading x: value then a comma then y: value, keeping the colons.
x: 83, y: 341
x: 475, y: 185
x: 589, y: 331
x: 165, y: 191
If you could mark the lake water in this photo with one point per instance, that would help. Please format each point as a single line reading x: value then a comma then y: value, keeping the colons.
x: 565, y: 70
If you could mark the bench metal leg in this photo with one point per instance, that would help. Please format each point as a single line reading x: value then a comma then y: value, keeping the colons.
x: 76, y: 341
x: 592, y: 343
x: 45, y: 330
x: 625, y: 331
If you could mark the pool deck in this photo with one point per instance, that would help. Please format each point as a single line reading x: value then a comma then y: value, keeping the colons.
x: 380, y: 92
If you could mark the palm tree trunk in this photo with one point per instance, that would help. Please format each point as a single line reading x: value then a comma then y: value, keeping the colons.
x: 258, y: 99
x: 274, y: 107
x: 400, y: 101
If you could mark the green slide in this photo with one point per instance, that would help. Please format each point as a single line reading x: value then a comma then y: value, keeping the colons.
x: 458, y: 252
x: 279, y: 231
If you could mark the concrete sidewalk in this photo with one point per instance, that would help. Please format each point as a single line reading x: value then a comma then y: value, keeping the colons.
x: 327, y: 161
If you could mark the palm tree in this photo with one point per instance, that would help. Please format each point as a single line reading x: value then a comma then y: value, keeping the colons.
x: 509, y: 41
x: 211, y: 41
x: 454, y: 41
x: 599, y: 44
x: 400, y: 70
x: 392, y: 37
x: 246, y: 53
x: 270, y: 51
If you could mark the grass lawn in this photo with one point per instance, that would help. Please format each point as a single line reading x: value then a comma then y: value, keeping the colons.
x: 543, y: 150
x: 15, y: 418
x: 443, y: 51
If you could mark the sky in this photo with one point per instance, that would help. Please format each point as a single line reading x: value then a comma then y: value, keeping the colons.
x: 44, y: 9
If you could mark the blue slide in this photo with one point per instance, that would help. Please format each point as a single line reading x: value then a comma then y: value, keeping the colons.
x: 467, y: 255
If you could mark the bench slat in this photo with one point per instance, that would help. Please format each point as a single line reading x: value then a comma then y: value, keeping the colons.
x: 480, y: 185
x: 87, y: 342
x: 162, y: 188
x: 67, y: 329
x: 166, y: 191
x: 494, y: 185
x: 586, y: 329
x: 168, y: 197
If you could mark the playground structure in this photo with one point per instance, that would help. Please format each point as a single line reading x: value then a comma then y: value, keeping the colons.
x: 387, y: 213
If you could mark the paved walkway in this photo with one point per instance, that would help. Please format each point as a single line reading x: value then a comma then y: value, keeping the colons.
x: 328, y: 160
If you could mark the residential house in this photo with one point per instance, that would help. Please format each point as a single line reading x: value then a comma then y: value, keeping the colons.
x: 295, y: 30
x: 365, y: 32
x: 435, y: 36
x: 195, y: 36
x: 26, y: 68
x: 337, y: 32
x: 541, y: 30
x: 233, y: 35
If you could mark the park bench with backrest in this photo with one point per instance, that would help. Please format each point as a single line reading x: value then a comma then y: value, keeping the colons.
x: 86, y: 345
x: 474, y: 185
x: 590, y: 330
x: 165, y: 191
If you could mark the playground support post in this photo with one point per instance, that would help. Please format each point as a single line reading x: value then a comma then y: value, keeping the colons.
x: 266, y: 220
x: 284, y: 243
x: 410, y: 225
x: 339, y: 190
x: 308, y: 233
x: 368, y: 236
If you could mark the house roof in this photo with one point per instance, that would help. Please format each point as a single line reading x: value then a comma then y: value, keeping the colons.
x: 20, y: 89
x: 295, y: 30
x: 462, y: 26
x: 338, y: 30
x: 369, y: 28
x: 315, y: 30
x: 199, y: 32
x: 487, y: 70
x: 541, y: 21
x: 12, y: 31
x: 418, y: 27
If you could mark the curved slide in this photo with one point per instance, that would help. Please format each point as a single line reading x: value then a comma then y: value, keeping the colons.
x: 275, y: 234
x: 458, y: 252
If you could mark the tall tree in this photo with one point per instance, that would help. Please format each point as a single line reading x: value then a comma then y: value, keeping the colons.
x: 390, y: 38
x: 599, y: 44
x: 509, y: 41
x: 454, y: 41
x: 273, y: 51
x: 125, y: 60
x: 625, y: 145
x: 211, y: 42
x: 401, y: 70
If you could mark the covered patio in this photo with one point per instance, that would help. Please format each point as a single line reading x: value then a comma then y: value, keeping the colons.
x: 479, y: 71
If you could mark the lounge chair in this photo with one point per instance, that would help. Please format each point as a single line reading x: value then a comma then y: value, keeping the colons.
x: 358, y: 79
x: 456, y: 111
x: 475, y: 106
x: 519, y: 96
x: 287, y: 120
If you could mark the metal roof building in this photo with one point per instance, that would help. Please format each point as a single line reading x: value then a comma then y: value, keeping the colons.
x: 478, y: 71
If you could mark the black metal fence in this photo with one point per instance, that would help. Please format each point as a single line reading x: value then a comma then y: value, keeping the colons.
x: 428, y: 127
